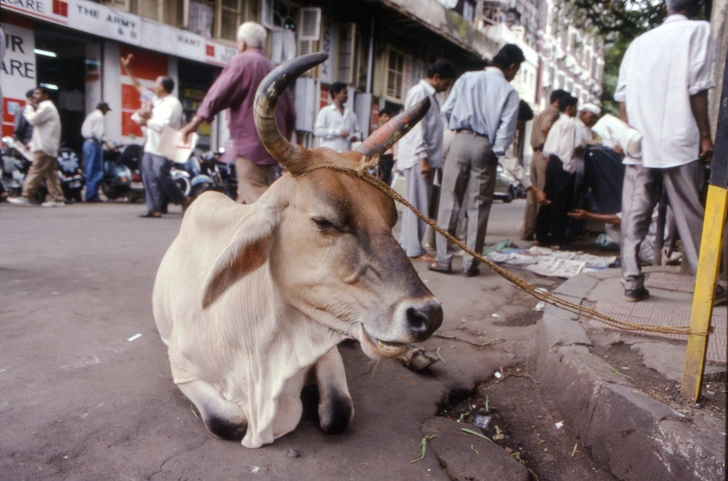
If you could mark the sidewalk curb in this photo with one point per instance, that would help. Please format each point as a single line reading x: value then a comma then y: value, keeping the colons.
x: 634, y: 436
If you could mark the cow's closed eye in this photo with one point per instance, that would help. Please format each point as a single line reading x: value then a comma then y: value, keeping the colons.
x: 324, y: 225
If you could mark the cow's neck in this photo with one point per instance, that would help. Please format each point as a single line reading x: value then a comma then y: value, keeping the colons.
x: 267, y: 375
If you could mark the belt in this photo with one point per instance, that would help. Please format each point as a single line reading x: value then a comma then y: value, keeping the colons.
x: 538, y: 149
x: 92, y: 139
x: 471, y: 131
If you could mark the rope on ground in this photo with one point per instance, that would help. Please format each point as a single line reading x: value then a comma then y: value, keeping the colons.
x: 363, y: 174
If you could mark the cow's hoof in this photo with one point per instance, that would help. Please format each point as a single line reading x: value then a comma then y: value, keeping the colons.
x: 226, y: 429
x: 335, y: 414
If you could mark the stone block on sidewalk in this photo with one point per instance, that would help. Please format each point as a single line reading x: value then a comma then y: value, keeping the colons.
x: 452, y: 447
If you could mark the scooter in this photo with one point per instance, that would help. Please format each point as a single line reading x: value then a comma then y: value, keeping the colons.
x: 192, y: 177
x: 16, y: 161
x: 222, y: 174
x: 116, y: 182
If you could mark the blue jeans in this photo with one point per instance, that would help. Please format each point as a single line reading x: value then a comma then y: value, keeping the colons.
x: 93, y: 160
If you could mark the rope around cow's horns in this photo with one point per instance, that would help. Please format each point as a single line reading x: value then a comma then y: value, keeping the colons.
x: 363, y: 174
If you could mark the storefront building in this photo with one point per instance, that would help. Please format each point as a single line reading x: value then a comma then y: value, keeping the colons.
x: 74, y: 48
x: 379, y: 48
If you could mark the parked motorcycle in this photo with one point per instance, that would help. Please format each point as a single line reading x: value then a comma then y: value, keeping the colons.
x: 116, y: 182
x: 16, y: 161
x: 193, y: 176
x: 222, y: 174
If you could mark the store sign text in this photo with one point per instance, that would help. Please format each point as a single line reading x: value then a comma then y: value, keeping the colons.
x: 34, y: 5
x: 14, y: 66
x: 103, y: 21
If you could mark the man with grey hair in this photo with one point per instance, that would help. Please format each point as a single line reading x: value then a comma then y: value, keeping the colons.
x: 235, y: 89
x: 663, y: 94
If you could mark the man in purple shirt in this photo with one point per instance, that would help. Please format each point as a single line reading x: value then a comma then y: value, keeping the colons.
x: 235, y: 89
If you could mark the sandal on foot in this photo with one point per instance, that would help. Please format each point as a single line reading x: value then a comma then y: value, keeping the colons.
x: 439, y: 267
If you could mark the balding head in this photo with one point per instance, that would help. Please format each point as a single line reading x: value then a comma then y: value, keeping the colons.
x: 252, y: 35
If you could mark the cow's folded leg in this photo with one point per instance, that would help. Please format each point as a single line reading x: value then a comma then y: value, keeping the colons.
x: 222, y: 418
x: 336, y: 409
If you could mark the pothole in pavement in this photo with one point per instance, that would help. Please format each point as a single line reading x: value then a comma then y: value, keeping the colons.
x: 513, y: 413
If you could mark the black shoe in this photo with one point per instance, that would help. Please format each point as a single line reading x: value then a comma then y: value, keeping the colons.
x: 471, y: 272
x: 636, y: 295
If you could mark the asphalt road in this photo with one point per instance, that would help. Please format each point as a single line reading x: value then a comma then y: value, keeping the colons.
x: 86, y: 390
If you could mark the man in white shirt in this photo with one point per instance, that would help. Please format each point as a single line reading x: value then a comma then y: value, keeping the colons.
x: 482, y: 108
x: 44, y: 144
x: 93, y: 131
x: 420, y: 154
x: 663, y: 94
x: 561, y: 142
x: 166, y: 111
x: 336, y: 125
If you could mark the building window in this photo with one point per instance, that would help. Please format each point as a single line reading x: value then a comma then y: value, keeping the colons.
x: 279, y: 14
x: 149, y: 9
x: 347, y: 52
x: 395, y: 73
x: 231, y: 14
x: 469, y: 10
x: 201, y: 17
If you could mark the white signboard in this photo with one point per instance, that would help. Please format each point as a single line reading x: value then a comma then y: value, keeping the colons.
x: 114, y: 24
x: 18, y: 66
x: 17, y: 73
x: 104, y: 21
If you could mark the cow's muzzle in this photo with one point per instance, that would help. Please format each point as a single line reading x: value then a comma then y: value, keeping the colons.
x: 422, y: 318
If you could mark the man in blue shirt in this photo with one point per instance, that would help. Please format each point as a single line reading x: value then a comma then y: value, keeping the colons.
x: 482, y: 109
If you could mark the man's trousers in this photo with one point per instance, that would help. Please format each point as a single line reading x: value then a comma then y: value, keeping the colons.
x: 468, y: 181
x: 158, y: 183
x: 538, y: 180
x: 44, y: 167
x: 253, y: 180
x: 93, y: 161
x: 640, y: 194
x: 419, y: 194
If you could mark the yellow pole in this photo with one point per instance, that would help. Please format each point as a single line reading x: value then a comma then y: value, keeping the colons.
x: 711, y: 245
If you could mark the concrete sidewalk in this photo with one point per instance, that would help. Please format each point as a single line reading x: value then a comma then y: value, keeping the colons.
x: 630, y: 429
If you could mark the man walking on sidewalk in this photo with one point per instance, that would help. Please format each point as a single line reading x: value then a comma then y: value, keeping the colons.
x: 420, y: 155
x: 482, y: 109
x: 44, y: 144
x: 93, y: 131
x: 663, y: 93
x: 235, y: 89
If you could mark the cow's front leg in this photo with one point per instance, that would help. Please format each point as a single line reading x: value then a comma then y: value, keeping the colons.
x: 222, y: 418
x: 336, y: 409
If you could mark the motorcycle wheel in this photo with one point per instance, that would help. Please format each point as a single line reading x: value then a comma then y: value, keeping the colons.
x: 199, y: 189
x: 110, y: 192
x: 184, y: 185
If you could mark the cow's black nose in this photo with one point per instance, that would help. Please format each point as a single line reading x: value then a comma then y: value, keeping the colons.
x: 423, y: 320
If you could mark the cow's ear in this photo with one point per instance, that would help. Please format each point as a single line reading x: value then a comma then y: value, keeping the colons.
x: 247, y: 251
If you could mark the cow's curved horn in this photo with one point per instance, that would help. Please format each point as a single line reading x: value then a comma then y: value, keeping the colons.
x: 266, y: 98
x: 395, y: 129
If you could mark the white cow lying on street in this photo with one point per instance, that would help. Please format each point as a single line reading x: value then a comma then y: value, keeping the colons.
x: 253, y: 300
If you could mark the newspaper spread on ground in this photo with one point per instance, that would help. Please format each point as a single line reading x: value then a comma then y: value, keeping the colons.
x: 550, y: 263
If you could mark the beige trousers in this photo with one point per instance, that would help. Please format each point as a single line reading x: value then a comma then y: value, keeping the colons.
x: 253, y: 180
x: 44, y: 167
x: 538, y: 180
